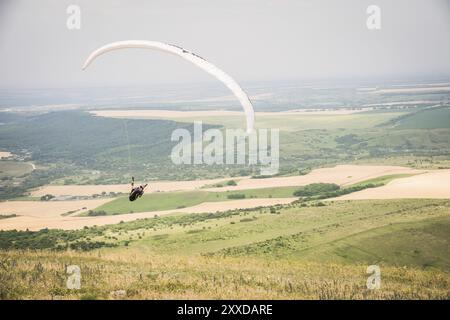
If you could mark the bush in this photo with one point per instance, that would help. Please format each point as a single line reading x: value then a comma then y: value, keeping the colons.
x: 231, y: 183
x: 317, y: 191
x: 236, y: 196
x: 92, y: 213
x: 320, y: 204
x: 47, y: 197
x: 303, y: 172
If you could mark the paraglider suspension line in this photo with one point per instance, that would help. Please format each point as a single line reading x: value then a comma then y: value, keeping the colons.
x: 125, y: 128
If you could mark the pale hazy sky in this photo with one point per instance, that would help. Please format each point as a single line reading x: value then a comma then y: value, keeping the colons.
x: 250, y: 39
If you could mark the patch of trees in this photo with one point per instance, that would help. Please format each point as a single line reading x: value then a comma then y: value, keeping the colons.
x: 47, y: 197
x: 6, y: 216
x: 236, y: 196
x: 89, y: 245
x: 316, y: 191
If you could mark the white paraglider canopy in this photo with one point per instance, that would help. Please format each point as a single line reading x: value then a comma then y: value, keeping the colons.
x: 191, y: 57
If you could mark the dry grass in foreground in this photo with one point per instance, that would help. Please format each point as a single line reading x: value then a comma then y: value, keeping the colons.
x: 42, y: 275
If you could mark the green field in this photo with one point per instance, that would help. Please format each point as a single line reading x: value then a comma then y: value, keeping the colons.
x: 297, y: 231
x: 10, y: 169
x: 427, y: 119
x: 301, y: 121
x: 182, y: 199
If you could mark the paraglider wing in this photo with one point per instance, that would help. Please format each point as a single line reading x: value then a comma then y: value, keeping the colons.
x: 191, y: 57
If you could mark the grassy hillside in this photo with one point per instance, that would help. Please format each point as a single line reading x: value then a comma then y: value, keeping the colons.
x: 293, y: 251
x: 296, y: 232
x: 90, y: 142
x: 74, y: 147
x: 298, y: 252
x: 422, y: 243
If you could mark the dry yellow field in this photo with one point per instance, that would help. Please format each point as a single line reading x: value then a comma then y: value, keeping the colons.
x: 5, y: 154
x: 431, y: 185
x: 36, y: 215
x: 47, y: 209
x: 341, y: 175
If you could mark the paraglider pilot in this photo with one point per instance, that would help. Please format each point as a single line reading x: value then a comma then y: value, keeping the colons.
x: 136, y: 192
